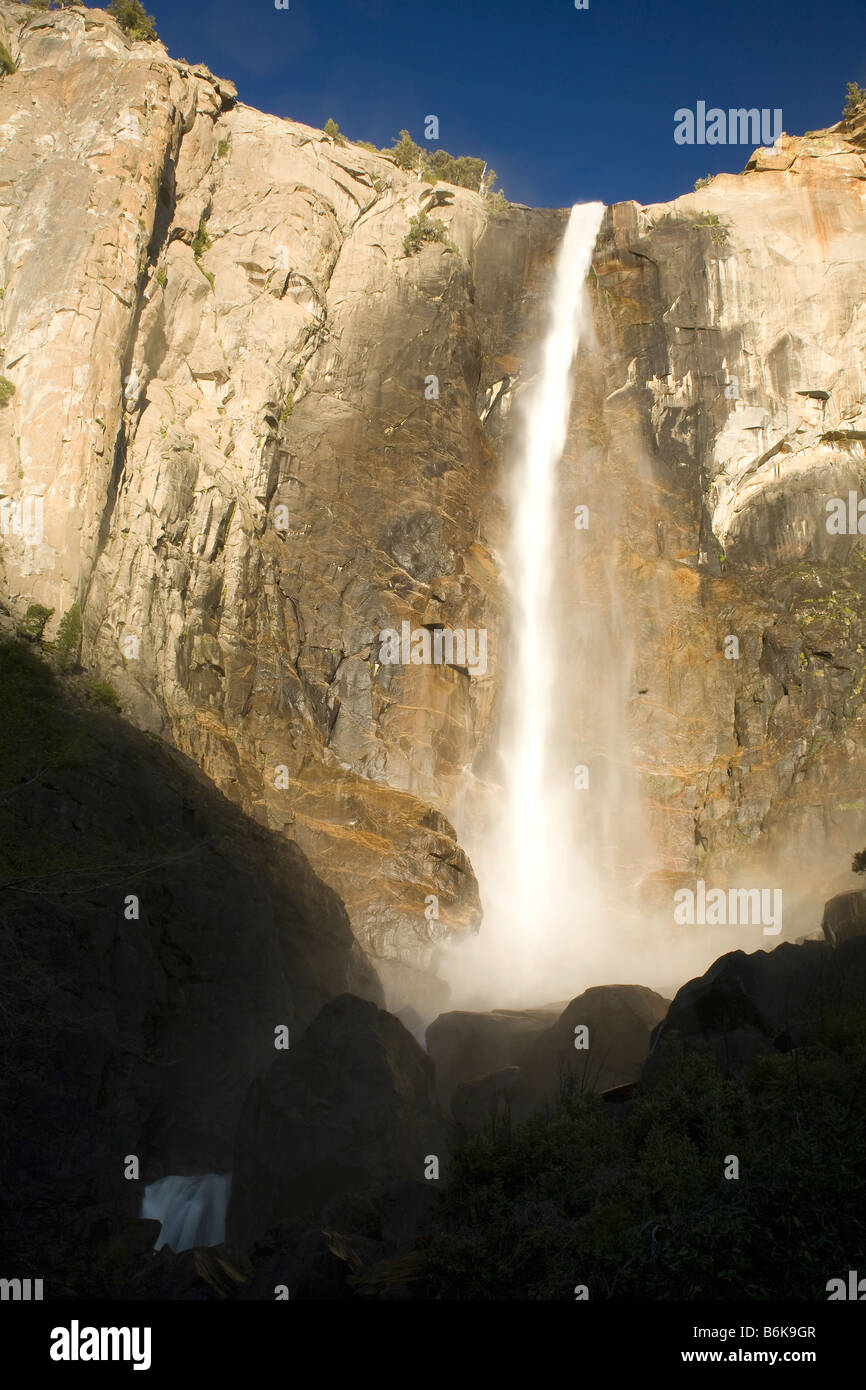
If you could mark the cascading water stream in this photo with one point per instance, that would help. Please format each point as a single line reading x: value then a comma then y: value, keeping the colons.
x: 527, y: 870
x: 565, y: 860
x: 192, y: 1210
x: 534, y: 842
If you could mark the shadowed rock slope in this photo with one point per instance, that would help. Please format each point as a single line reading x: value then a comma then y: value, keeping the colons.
x: 126, y: 1034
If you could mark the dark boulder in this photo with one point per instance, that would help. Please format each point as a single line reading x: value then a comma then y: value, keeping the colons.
x: 350, y: 1108
x: 466, y: 1045
x: 748, y: 1004
x: 600, y: 1041
x: 844, y: 917
x: 619, y: 1021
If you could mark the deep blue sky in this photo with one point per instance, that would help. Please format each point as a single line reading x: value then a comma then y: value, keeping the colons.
x: 566, y: 105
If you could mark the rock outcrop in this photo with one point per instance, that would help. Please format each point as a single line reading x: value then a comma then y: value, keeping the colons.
x: 844, y: 917
x: 599, y: 1042
x: 225, y: 436
x: 350, y: 1110
x: 779, y: 1000
x: 467, y: 1045
x: 153, y: 939
x: 735, y: 384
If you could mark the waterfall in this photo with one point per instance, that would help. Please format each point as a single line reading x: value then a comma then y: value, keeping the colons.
x: 538, y: 883
x: 535, y: 847
x: 192, y: 1209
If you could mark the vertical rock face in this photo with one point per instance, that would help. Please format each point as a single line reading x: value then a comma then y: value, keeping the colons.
x: 734, y: 412
x: 249, y: 434
x: 226, y: 422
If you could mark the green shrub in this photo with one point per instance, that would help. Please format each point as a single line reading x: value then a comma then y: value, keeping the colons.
x: 720, y: 232
x: 104, y: 693
x: 425, y: 228
x: 7, y: 391
x: 32, y: 625
x: 34, y: 731
x: 288, y: 407
x: 855, y: 101
x: 133, y: 19
x: 463, y: 170
x: 366, y: 145
x: 7, y: 62
x: 201, y: 242
x: 633, y: 1202
x: 406, y: 154
x: 333, y: 131
x: 702, y: 183
x: 161, y: 276
x: 67, y: 643
x: 222, y: 149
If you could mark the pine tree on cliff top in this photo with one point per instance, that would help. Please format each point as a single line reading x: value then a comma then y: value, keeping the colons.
x: 133, y: 19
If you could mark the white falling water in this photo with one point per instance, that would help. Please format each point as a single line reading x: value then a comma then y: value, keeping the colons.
x: 535, y: 891
x: 192, y: 1210
x: 565, y: 866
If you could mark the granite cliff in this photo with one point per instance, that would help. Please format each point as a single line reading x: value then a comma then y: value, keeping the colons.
x: 225, y: 444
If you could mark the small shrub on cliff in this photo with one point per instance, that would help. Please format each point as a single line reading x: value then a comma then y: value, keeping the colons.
x: 332, y: 130
x: 424, y: 228
x: 465, y: 170
x: 406, y: 153
x: 7, y: 62
x: 32, y: 625
x: 67, y: 643
x: 201, y: 242
x: 702, y: 183
x: 720, y: 233
x: 133, y: 19
x: 855, y: 101
x: 7, y: 391
x: 104, y: 693
x: 34, y: 733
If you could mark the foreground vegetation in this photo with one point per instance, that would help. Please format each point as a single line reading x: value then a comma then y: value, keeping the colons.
x: 632, y: 1201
